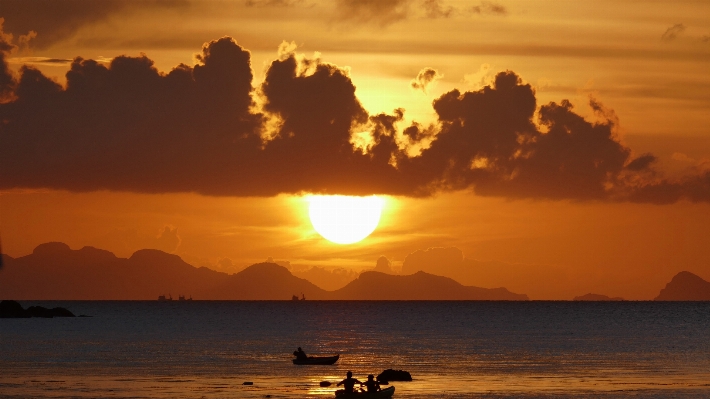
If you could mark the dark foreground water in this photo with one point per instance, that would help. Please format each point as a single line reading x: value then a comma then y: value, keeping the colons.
x: 205, y: 349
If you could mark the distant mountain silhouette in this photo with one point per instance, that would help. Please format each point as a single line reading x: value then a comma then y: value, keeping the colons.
x: 263, y: 281
x: 685, y: 286
x: 373, y: 285
x: 56, y: 272
x: 597, y: 297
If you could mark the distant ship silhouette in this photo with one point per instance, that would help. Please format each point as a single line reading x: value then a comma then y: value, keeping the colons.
x: 295, y: 297
x: 170, y: 298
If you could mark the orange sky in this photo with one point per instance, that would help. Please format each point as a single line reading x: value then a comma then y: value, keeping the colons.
x: 647, y: 64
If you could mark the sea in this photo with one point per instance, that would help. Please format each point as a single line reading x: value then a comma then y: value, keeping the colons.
x: 452, y: 349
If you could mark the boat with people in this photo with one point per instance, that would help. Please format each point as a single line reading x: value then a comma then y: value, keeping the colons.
x: 384, y: 393
x: 317, y: 360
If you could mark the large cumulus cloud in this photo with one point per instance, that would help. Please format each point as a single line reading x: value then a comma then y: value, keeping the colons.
x: 207, y: 129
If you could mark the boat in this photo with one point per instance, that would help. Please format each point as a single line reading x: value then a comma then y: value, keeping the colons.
x: 385, y: 393
x: 295, y: 297
x: 182, y: 298
x: 163, y: 298
x: 317, y: 360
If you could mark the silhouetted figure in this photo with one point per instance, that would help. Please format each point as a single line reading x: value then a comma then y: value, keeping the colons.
x: 300, y: 354
x: 371, y: 384
x: 349, y: 383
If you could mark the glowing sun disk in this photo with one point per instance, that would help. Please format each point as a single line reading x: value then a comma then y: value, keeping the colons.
x: 344, y: 219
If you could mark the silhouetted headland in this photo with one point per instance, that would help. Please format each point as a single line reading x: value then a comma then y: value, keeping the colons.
x: 597, y: 297
x: 418, y: 286
x: 685, y: 286
x: 12, y: 309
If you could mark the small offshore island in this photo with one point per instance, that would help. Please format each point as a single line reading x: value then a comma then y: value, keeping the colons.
x: 12, y: 310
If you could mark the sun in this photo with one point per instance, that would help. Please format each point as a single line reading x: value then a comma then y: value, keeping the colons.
x: 343, y: 219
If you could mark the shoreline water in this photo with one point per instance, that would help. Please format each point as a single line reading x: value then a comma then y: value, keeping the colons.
x: 453, y: 349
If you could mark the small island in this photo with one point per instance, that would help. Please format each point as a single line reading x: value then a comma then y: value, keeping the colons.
x: 12, y: 309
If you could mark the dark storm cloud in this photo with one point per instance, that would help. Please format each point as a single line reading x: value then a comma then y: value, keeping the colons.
x: 55, y: 20
x: 488, y: 141
x: 7, y: 80
x: 425, y: 77
x: 125, y: 126
x: 673, y: 32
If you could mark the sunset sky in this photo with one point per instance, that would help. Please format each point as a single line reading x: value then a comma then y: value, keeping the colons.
x: 564, y: 145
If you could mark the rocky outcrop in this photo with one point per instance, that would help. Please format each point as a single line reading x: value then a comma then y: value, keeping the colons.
x: 394, y: 375
x: 12, y: 309
x: 685, y: 286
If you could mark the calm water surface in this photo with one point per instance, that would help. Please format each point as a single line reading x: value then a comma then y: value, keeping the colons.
x: 206, y: 349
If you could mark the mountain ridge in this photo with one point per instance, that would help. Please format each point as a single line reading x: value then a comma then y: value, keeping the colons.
x: 685, y: 286
x: 53, y: 271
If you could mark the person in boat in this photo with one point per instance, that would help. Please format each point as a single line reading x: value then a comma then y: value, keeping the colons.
x: 300, y: 354
x: 371, y: 384
x: 349, y: 383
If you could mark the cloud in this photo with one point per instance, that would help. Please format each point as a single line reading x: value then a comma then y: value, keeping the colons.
x: 125, y: 126
x: 383, y: 265
x: 488, y: 7
x: 435, y: 9
x: 41, y: 61
x: 7, y: 79
x: 673, y: 32
x: 424, y: 78
x: 273, y: 3
x: 479, y: 78
x: 387, y: 12
x: 55, y: 21
x: 438, y: 261
x: 378, y: 12
x: 168, y: 239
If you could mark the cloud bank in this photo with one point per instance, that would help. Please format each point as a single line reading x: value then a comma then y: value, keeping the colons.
x: 125, y: 126
x: 60, y: 20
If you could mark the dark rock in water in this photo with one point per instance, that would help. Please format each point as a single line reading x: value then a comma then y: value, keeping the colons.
x: 325, y: 384
x: 12, y: 309
x: 247, y: 383
x: 39, y: 311
x: 394, y: 375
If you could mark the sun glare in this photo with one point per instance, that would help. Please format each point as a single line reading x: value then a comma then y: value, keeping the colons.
x: 344, y: 219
